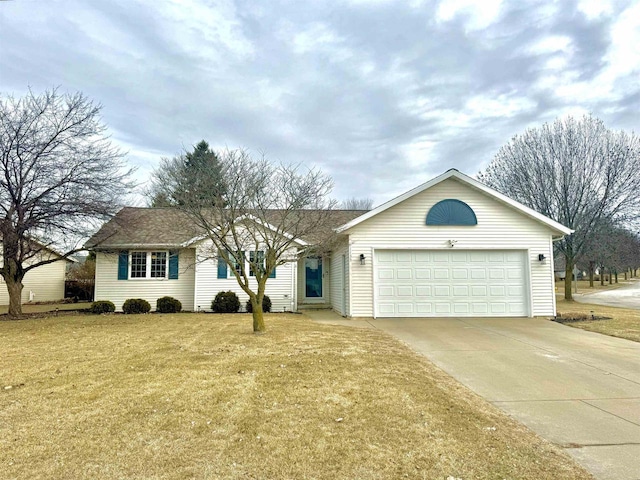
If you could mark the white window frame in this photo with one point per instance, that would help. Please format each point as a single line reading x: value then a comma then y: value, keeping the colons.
x: 256, y: 254
x: 148, y: 264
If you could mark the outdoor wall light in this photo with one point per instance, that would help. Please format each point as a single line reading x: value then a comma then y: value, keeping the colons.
x: 541, y: 257
x: 452, y: 243
x: 362, y: 259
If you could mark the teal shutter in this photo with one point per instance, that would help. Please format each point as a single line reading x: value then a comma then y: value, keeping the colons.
x: 222, y: 267
x: 273, y: 273
x: 173, y: 265
x: 123, y: 265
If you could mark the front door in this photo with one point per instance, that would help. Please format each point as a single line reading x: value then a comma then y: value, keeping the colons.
x: 313, y: 277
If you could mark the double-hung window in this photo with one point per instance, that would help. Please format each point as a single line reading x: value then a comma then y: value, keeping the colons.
x: 138, y: 265
x: 158, y: 264
x: 257, y: 259
x: 238, y: 260
x: 149, y: 264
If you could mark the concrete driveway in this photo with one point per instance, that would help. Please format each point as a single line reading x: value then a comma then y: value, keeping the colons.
x: 578, y: 389
x: 627, y: 296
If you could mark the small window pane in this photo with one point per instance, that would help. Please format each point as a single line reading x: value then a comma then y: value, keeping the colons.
x: 238, y: 258
x: 257, y: 258
x: 138, y: 264
x: 158, y: 264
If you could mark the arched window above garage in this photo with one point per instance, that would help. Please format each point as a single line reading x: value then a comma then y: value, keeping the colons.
x: 451, y: 212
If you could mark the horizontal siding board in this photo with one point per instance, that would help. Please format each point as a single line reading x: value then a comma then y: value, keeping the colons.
x: 403, y: 227
x: 46, y: 283
x: 337, y: 278
x: 279, y: 289
x: 108, y: 287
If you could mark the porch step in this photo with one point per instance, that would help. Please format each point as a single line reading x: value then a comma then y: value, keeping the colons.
x: 314, y: 306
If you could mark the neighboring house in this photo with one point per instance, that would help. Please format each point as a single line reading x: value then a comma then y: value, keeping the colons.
x: 450, y: 247
x: 42, y: 284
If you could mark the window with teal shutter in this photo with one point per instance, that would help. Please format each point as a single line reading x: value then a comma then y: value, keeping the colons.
x: 451, y: 212
x: 173, y: 264
x: 123, y: 265
x: 222, y: 267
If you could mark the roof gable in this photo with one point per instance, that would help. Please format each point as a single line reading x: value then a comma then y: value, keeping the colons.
x: 464, y: 179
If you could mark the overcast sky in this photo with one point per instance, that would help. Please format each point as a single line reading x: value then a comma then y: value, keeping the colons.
x: 381, y: 95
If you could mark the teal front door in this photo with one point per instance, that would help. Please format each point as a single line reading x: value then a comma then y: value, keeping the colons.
x: 313, y: 277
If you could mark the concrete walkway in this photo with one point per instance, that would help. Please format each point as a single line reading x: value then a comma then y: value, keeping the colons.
x: 627, y: 296
x: 578, y: 389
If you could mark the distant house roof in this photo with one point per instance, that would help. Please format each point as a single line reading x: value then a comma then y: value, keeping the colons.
x: 136, y: 227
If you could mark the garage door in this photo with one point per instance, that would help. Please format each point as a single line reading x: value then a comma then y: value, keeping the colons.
x: 450, y: 283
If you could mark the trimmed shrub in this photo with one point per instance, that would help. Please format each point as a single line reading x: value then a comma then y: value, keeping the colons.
x: 266, y: 305
x: 225, y: 302
x: 168, y: 305
x: 136, y: 305
x: 102, y: 306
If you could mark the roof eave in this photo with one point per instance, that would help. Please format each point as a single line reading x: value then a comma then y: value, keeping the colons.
x: 128, y: 246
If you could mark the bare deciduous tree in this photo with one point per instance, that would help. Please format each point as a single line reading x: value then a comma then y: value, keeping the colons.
x: 265, y: 210
x: 60, y: 174
x: 613, y: 249
x: 576, y: 172
x: 355, y: 203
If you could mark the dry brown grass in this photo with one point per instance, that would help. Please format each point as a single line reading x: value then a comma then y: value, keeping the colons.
x: 583, y: 285
x: 623, y: 322
x: 47, y: 307
x: 199, y: 396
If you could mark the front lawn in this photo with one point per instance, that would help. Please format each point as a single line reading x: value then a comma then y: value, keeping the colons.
x: 200, y: 396
x: 584, y: 285
x: 620, y: 322
x: 29, y: 308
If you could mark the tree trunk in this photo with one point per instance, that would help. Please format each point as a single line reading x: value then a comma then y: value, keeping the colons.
x: 258, y: 316
x: 601, y: 276
x: 567, y: 280
x: 591, y: 269
x: 15, y: 297
x: 610, y: 277
x: 616, y: 274
x: 625, y: 275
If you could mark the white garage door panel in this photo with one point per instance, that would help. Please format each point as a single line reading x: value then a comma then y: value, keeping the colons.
x: 450, y: 283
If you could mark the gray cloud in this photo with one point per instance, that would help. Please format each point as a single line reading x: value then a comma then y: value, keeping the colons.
x: 381, y: 95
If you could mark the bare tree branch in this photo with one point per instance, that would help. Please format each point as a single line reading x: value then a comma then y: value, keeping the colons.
x: 576, y: 172
x: 265, y: 209
x: 60, y: 176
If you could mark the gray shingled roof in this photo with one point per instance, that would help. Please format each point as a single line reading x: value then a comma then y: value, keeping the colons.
x: 168, y: 227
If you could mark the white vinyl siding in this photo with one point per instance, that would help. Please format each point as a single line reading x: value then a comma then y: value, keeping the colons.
x: 339, y: 283
x: 108, y: 287
x: 404, y: 227
x: 43, y: 284
x: 279, y: 289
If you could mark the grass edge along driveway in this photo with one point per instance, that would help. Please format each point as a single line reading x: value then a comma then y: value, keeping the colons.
x: 619, y: 322
x: 200, y: 396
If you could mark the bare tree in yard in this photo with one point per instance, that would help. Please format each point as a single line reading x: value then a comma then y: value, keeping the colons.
x: 576, y: 172
x: 264, y: 209
x: 59, y: 174
x: 357, y: 204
